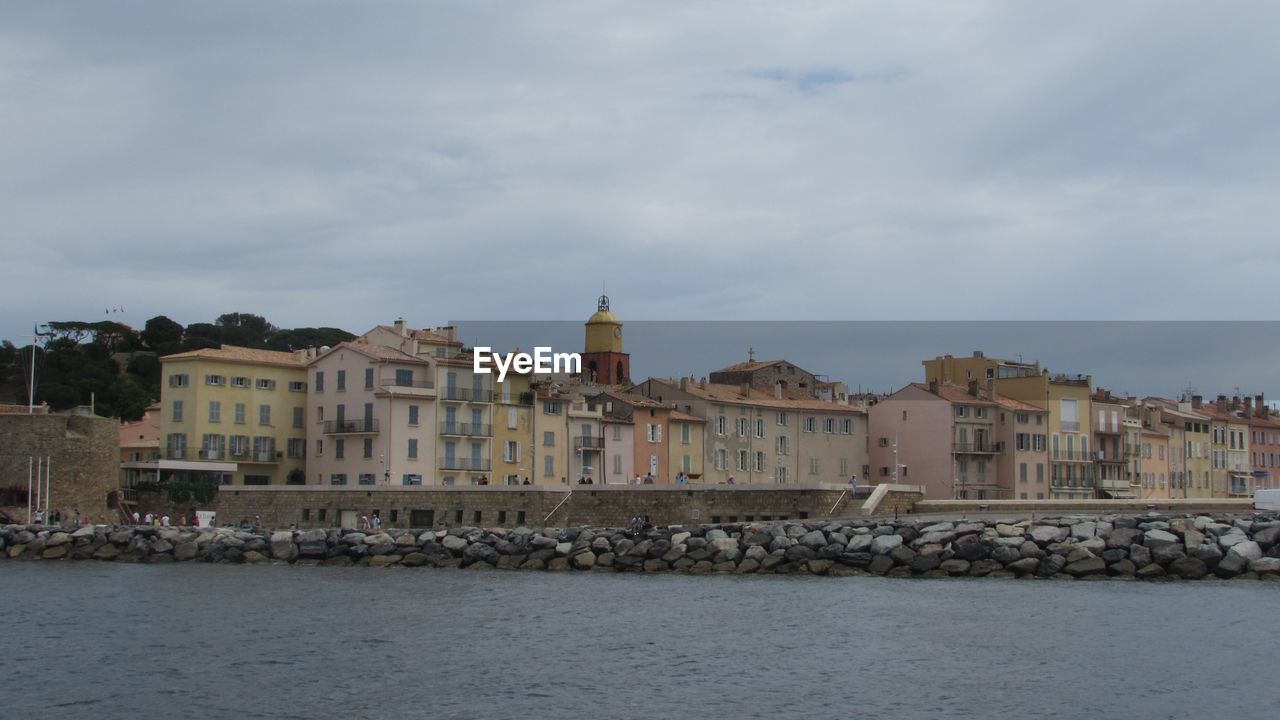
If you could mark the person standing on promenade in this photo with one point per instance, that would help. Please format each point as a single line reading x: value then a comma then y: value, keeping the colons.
x: 148, y: 518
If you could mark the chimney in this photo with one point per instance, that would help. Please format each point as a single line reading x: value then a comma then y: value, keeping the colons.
x: 1235, y: 402
x: 991, y: 389
x: 684, y: 383
x: 977, y: 353
x: 973, y: 388
x: 1197, y: 401
x: 400, y: 327
x: 1222, y: 403
x: 702, y: 382
x: 744, y: 389
x: 1248, y: 406
x: 450, y: 332
x: 777, y: 391
x: 933, y: 386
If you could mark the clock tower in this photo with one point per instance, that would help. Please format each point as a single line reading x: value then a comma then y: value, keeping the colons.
x: 602, y: 359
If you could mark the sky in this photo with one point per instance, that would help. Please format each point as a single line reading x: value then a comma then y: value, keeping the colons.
x: 344, y: 164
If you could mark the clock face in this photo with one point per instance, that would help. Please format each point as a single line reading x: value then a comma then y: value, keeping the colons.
x: 617, y: 332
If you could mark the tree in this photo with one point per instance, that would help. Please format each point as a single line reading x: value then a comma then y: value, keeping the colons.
x: 160, y: 330
x: 301, y: 338
x: 245, y: 329
x: 202, y: 335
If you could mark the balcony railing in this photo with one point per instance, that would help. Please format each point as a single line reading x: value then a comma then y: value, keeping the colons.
x: 457, y: 463
x: 588, y: 443
x: 1104, y: 456
x: 471, y: 429
x: 1070, y: 425
x: 466, y: 394
x: 350, y: 427
x: 392, y: 382
x: 175, y: 453
x: 975, y: 447
x: 210, y: 454
x: 1071, y: 455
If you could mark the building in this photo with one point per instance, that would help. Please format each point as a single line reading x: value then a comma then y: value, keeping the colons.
x: 1155, y: 464
x: 665, y: 441
x: 764, y: 375
x: 1066, y: 398
x: 372, y: 417
x: 603, y: 360
x: 79, y: 453
x: 1112, y: 435
x: 513, y: 458
x: 1264, y: 442
x: 233, y: 415
x: 960, y: 442
x: 1231, y: 474
x: 140, y: 450
x: 781, y: 436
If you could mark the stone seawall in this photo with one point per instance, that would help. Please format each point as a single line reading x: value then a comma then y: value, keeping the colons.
x: 1127, y: 547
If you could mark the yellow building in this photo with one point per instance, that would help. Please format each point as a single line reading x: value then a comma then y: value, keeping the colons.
x: 513, y: 450
x: 550, y: 421
x: 234, y: 414
x: 686, y: 445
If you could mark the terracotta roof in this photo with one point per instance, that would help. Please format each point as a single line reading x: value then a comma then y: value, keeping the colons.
x: 686, y: 417
x: 747, y: 366
x: 956, y: 394
x: 235, y: 353
x: 376, y: 352
x: 423, y: 335
x: 732, y: 395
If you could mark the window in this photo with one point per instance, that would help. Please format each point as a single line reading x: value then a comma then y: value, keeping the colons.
x: 653, y: 432
x: 1038, y: 442
x: 341, y: 383
x: 339, y: 448
x: 782, y: 444
x: 297, y: 386
x: 810, y: 424
x: 742, y: 460
x: 239, y: 382
x: 413, y: 449
x: 298, y: 415
x: 844, y: 466
x: 264, y: 414
x: 365, y: 479
x: 782, y: 419
x: 759, y: 427
x: 319, y: 383
x: 829, y: 425
x: 686, y: 463
x: 306, y: 514
x: 760, y: 462
x: 617, y: 464
x: 319, y: 448
x: 177, y: 411
x: 368, y: 448
x: 722, y: 425
x: 813, y: 466
x: 178, y: 381
x: 780, y: 475
x: 215, y: 411
x: 551, y: 408
x: 513, y: 420
x: 296, y: 447
x: 413, y: 415
x: 239, y: 412
x: 1022, y: 472
x: 338, y: 479
x: 617, y: 433
x: 742, y: 427
x: 368, y: 378
x: 549, y: 465
x: 548, y: 439
x: 215, y: 380
x: 684, y: 433
x: 722, y: 459
x: 846, y: 426
x: 411, y: 479
x: 511, y: 451
x: 1022, y: 419
x: 962, y: 411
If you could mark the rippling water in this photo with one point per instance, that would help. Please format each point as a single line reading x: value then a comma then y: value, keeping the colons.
x: 99, y: 640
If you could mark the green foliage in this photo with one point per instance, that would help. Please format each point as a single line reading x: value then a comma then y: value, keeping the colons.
x: 300, y: 338
x: 160, y: 330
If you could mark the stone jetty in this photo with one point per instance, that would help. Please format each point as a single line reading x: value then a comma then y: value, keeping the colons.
x: 1146, y: 547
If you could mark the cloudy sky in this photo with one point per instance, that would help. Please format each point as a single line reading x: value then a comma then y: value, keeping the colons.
x: 347, y: 163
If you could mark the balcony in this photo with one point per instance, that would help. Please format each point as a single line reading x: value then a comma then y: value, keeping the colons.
x: 982, y: 448
x: 175, y: 453
x: 350, y: 427
x: 588, y: 443
x: 458, y: 394
x: 468, y: 429
x: 1071, y: 456
x: 457, y: 463
x: 263, y: 456
x: 210, y: 454
x: 393, y: 383
x: 1069, y: 425
x: 1104, y: 430
x: 1105, y: 457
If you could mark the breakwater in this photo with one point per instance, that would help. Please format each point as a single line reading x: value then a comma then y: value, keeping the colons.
x: 1146, y: 547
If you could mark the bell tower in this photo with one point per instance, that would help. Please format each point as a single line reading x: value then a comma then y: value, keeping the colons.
x: 603, y: 360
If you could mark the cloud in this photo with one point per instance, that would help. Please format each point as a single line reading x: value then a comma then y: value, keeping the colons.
x: 326, y: 164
